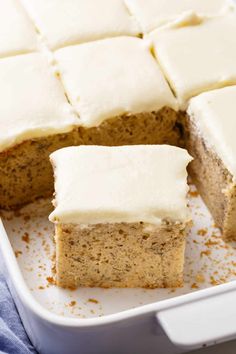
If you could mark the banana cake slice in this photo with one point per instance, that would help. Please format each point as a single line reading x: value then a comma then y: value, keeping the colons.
x: 210, y: 138
x: 155, y: 13
x: 17, y: 32
x: 67, y: 22
x: 35, y: 120
x: 197, y: 54
x: 119, y: 93
x: 120, y: 215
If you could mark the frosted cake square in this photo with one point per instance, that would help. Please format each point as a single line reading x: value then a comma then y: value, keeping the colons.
x: 35, y: 119
x: 17, y: 32
x: 211, y: 140
x: 120, y: 215
x: 67, y: 22
x: 197, y: 54
x: 119, y: 92
x: 155, y: 13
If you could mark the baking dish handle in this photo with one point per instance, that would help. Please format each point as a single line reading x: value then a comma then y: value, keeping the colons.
x: 203, y: 321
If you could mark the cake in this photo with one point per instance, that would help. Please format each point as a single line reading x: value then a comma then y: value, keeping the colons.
x: 17, y: 32
x: 116, y: 90
x: 66, y: 22
x: 119, y: 93
x: 35, y: 119
x: 197, y: 54
x: 119, y: 72
x: 120, y: 215
x: 155, y: 13
x: 211, y: 141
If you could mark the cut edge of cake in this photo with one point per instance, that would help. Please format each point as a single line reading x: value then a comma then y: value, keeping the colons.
x: 116, y: 253
x: 212, y: 169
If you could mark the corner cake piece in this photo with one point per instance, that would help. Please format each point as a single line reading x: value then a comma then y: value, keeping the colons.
x: 154, y: 13
x: 197, y: 54
x: 68, y: 22
x: 119, y: 92
x: 35, y: 120
x: 17, y: 33
x: 120, y: 215
x: 211, y: 140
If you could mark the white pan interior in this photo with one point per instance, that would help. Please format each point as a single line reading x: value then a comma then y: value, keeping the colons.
x: 209, y: 262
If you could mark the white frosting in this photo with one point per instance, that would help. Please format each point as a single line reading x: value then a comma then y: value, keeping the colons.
x: 66, y: 22
x: 214, y: 114
x: 111, y: 77
x: 17, y: 33
x: 197, y: 55
x: 33, y: 103
x: 154, y: 13
x: 97, y: 184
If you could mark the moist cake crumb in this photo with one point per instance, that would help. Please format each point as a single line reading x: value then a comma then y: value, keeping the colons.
x: 134, y: 239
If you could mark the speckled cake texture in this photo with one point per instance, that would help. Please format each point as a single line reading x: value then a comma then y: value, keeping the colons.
x: 119, y: 72
x: 110, y: 230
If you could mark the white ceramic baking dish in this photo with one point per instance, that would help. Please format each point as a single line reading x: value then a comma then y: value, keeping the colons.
x: 119, y: 321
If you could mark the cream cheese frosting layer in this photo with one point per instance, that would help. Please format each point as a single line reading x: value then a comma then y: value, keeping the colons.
x: 214, y: 114
x: 97, y: 184
x: 67, y: 22
x: 111, y: 77
x: 17, y: 33
x: 33, y: 103
x: 197, y: 54
x: 154, y: 13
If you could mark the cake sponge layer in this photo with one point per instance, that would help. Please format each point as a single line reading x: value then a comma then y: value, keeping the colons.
x: 120, y: 255
x: 120, y: 215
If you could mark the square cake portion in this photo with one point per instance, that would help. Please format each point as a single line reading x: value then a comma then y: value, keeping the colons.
x: 17, y: 33
x: 211, y: 125
x: 68, y: 22
x: 119, y: 92
x: 197, y: 54
x: 155, y: 13
x: 120, y: 215
x: 35, y: 119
